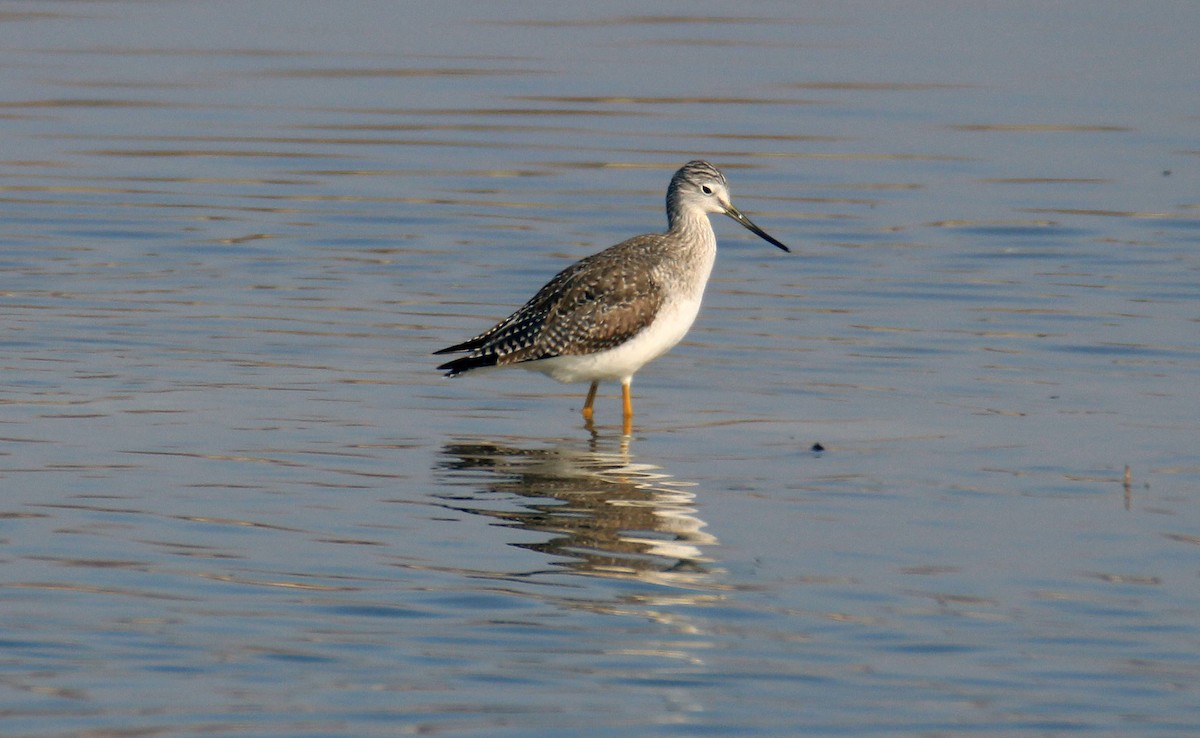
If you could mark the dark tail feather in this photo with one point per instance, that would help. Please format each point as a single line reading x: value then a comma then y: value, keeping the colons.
x: 474, y: 343
x: 466, y: 363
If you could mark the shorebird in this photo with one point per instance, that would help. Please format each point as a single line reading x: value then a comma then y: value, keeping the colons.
x: 607, y: 315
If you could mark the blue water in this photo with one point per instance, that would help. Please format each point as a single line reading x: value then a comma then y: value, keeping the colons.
x: 880, y: 489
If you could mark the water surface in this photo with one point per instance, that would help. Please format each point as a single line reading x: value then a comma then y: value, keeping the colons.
x: 238, y: 499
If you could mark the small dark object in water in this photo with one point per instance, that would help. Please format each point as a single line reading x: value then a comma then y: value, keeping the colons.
x: 817, y: 447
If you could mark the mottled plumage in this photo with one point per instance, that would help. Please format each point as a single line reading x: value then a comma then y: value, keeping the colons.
x: 595, y: 304
x: 605, y: 316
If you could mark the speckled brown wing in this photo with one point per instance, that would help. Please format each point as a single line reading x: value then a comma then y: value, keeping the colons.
x: 595, y: 304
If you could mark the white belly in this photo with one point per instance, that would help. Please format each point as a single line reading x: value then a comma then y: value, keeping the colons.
x: 619, y: 363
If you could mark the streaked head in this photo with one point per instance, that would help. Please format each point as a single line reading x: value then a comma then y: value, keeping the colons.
x: 699, y: 187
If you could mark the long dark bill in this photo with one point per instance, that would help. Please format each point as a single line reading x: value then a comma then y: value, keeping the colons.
x: 736, y: 214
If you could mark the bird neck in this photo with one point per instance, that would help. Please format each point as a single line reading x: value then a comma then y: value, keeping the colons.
x: 692, y: 227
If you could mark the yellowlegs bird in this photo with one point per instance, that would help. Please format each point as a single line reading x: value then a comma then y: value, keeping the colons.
x: 605, y: 316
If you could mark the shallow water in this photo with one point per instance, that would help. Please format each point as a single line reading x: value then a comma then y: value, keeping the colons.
x: 238, y: 499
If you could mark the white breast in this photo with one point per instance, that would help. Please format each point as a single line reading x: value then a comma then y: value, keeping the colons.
x: 672, y: 323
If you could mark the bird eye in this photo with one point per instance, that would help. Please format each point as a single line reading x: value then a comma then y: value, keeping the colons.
x: 706, y: 189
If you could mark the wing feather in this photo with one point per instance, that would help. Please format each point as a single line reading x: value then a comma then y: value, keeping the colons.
x: 595, y: 304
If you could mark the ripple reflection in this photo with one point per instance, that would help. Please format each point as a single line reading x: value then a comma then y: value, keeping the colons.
x: 608, y: 515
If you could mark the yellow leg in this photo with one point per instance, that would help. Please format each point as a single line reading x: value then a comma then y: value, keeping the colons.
x: 587, y: 405
x: 627, y: 408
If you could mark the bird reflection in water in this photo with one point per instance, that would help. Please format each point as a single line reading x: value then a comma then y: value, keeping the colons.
x: 607, y: 515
